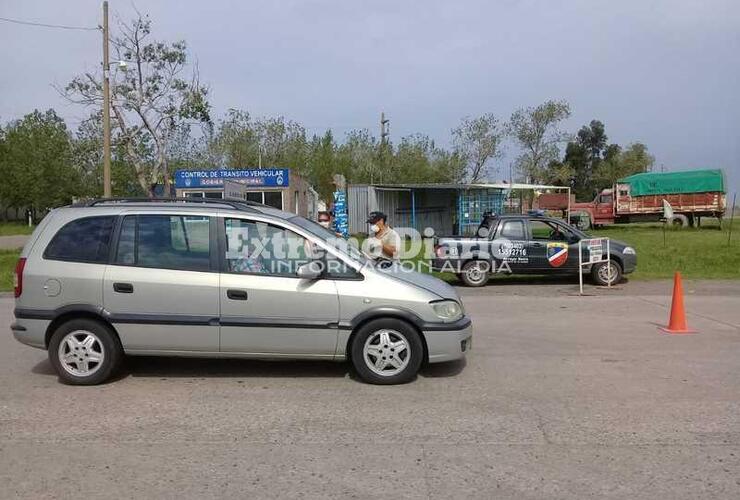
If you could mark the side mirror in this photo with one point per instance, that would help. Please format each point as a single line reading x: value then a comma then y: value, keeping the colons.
x: 310, y: 270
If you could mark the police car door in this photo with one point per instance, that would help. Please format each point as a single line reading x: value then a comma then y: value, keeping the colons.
x: 550, y: 247
x: 510, y: 246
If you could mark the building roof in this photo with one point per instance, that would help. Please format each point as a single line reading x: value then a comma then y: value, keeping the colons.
x: 455, y: 186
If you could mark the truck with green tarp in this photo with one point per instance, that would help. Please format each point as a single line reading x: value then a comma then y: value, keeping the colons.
x: 683, y: 197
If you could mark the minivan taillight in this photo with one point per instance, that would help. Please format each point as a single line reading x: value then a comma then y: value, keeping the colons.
x: 18, y: 277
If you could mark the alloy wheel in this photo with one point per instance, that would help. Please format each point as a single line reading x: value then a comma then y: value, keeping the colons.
x: 386, y: 352
x: 81, y: 353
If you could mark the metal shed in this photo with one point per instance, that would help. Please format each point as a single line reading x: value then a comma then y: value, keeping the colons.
x: 446, y: 208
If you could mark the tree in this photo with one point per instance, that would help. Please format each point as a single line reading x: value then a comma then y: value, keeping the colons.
x: 620, y: 163
x: 245, y: 142
x: 359, y: 153
x: 582, y: 157
x: 478, y: 140
x: 535, y: 130
x: 87, y: 154
x: 151, y: 98
x: 323, y: 164
x: 418, y: 160
x: 36, y: 162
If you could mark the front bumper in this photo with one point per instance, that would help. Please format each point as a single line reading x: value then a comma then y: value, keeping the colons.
x: 629, y: 261
x: 448, y: 342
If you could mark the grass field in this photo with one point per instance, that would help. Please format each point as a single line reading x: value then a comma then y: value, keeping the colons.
x: 12, y: 228
x: 699, y: 253
x: 8, y: 259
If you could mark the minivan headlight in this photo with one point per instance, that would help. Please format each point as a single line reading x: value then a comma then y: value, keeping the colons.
x: 629, y: 251
x: 448, y: 310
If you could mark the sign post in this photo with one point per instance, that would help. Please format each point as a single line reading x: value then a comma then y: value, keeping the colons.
x: 595, y: 247
x: 341, y: 221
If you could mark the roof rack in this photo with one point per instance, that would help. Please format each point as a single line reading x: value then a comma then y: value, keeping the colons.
x: 235, y: 203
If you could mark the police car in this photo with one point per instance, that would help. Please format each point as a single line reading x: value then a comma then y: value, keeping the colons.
x: 527, y: 244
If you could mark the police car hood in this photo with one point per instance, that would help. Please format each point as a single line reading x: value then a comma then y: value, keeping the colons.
x: 424, y: 281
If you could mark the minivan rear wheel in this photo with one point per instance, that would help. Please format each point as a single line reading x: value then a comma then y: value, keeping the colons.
x: 387, y: 351
x: 84, y: 352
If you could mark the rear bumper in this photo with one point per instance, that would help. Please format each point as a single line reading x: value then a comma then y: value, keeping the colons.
x: 30, y: 332
x: 449, y: 344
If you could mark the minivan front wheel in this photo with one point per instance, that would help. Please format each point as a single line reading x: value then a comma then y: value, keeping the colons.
x: 84, y: 352
x: 387, y: 351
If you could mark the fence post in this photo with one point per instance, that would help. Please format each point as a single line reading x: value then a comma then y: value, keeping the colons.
x: 732, y: 216
x: 580, y: 267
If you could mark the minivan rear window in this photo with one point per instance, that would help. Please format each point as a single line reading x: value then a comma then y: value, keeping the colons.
x: 82, y: 240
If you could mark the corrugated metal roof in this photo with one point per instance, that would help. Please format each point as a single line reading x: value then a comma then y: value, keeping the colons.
x: 495, y: 185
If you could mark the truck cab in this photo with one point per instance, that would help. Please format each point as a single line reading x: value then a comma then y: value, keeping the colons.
x: 601, y: 211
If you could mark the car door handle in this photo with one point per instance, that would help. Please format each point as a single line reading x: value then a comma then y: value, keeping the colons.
x: 536, y: 244
x: 123, y: 287
x: 237, y: 294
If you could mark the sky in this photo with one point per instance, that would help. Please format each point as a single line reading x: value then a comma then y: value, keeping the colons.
x: 662, y: 72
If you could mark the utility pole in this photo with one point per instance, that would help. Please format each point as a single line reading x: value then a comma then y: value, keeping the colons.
x: 384, y: 133
x: 106, y: 106
x: 384, y: 128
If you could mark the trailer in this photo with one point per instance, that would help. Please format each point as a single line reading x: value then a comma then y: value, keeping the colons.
x: 692, y: 194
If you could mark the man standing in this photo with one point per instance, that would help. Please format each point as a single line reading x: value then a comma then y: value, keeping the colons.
x: 388, y: 243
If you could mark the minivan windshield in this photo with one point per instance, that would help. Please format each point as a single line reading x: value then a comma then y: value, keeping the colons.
x: 328, y: 236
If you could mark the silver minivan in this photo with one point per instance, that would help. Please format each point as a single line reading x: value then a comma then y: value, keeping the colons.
x: 219, y: 278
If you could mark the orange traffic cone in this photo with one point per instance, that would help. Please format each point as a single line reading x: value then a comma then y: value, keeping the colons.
x: 677, y: 321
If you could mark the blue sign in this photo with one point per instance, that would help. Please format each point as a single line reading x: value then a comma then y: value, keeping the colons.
x: 258, y: 177
x: 341, y: 222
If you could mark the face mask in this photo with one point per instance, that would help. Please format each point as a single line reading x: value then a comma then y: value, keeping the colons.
x: 325, y: 223
x: 374, y: 228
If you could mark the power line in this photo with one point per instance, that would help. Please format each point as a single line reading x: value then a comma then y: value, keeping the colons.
x: 44, y: 25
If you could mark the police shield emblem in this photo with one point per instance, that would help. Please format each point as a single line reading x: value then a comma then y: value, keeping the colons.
x: 557, y: 254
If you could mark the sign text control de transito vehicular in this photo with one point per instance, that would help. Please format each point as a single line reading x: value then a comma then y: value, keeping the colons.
x: 528, y: 244
x: 224, y: 279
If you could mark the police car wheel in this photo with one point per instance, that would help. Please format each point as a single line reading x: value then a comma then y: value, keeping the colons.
x: 475, y: 273
x: 600, y: 273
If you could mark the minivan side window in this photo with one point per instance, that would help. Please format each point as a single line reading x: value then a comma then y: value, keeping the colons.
x: 254, y: 247
x: 82, y: 240
x: 179, y: 242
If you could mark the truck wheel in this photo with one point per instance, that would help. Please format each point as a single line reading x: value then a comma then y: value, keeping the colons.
x: 475, y: 273
x: 600, y: 273
x: 387, y: 351
x: 680, y: 220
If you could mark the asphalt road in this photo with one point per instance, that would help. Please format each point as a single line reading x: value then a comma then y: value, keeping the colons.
x: 561, y: 397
